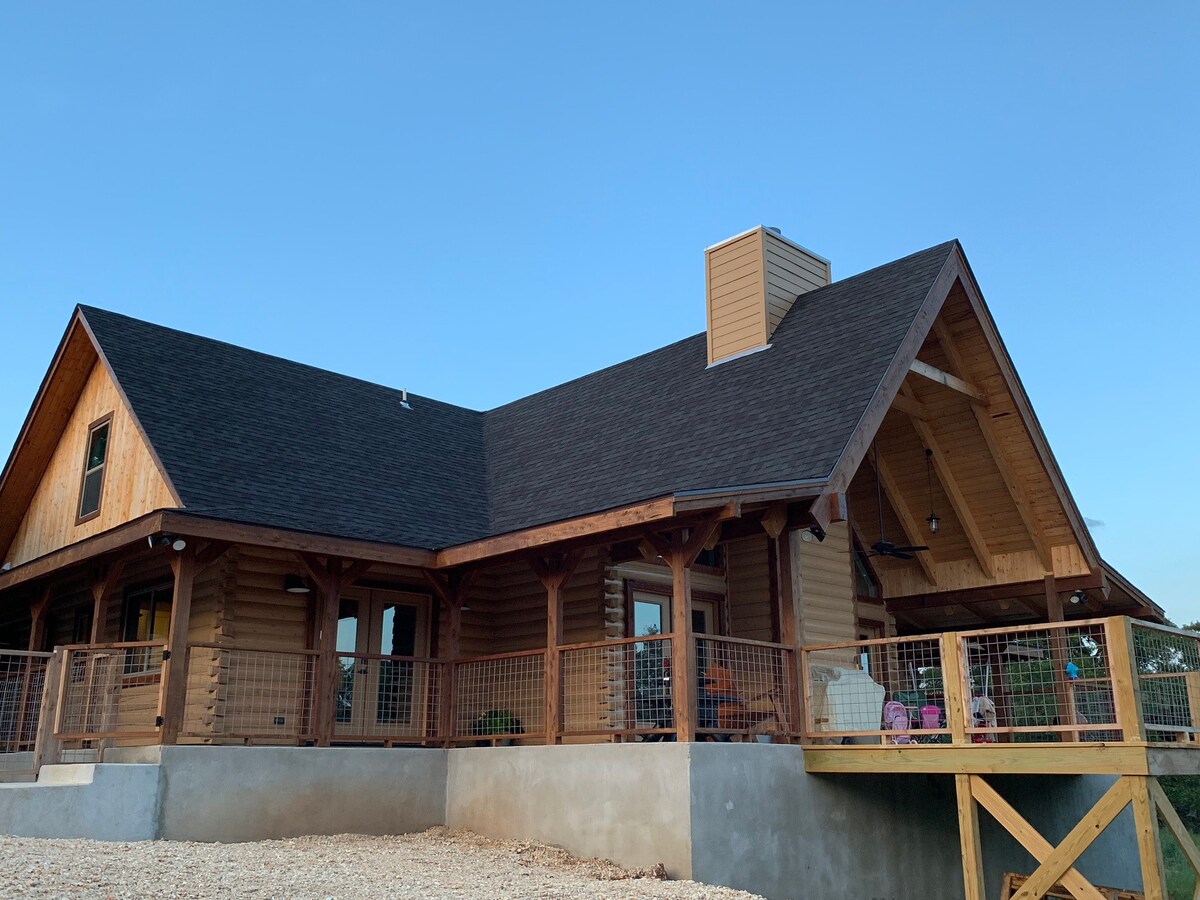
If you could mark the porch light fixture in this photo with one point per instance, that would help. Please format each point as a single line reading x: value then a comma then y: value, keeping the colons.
x: 294, y: 584
x: 932, y: 519
x: 175, y: 542
x: 1079, y: 597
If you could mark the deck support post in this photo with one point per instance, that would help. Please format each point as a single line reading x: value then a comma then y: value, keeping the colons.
x: 554, y: 572
x: 679, y: 550
x: 1145, y: 820
x: 172, y: 696
x: 451, y: 591
x: 968, y: 835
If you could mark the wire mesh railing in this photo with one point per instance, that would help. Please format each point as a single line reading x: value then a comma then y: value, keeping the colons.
x: 617, y: 687
x: 387, y: 699
x: 887, y: 689
x: 109, y: 691
x: 1168, y: 678
x: 745, y: 687
x: 249, y: 694
x: 501, y: 697
x: 22, y: 681
x: 1040, y: 683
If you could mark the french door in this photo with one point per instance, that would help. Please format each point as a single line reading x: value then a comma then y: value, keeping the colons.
x: 380, y: 696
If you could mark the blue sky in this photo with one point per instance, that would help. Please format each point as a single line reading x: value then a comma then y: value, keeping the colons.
x: 477, y: 201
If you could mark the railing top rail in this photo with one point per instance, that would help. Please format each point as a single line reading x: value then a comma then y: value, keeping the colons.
x: 208, y: 645
x: 494, y: 656
x: 39, y: 654
x: 384, y: 656
x: 118, y: 645
x: 1036, y: 626
x: 726, y: 639
x: 615, y: 642
x: 1166, y: 629
x: 875, y: 642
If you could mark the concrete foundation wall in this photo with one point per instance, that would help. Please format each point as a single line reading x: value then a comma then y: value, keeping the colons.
x: 742, y: 815
x: 105, y: 803
x: 233, y: 794
x: 626, y: 802
x: 762, y: 824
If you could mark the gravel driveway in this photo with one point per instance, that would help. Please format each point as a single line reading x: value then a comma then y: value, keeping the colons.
x: 435, y: 864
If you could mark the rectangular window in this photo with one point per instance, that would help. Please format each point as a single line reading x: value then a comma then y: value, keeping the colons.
x: 147, y: 618
x: 93, y: 469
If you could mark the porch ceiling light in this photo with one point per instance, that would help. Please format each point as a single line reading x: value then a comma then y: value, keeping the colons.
x: 1079, y: 597
x: 175, y: 542
x: 295, y: 584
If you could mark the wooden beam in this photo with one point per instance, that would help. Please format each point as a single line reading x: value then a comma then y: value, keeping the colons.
x: 173, y: 687
x: 860, y: 442
x: 983, y: 759
x: 179, y: 522
x: 1015, y: 591
x: 958, y: 502
x: 38, y: 611
x: 775, y: 520
x: 1029, y: 837
x: 910, y: 406
x: 82, y: 551
x: 210, y: 554
x: 532, y: 538
x: 908, y: 522
x: 969, y: 841
x: 1014, y: 485
x: 947, y: 380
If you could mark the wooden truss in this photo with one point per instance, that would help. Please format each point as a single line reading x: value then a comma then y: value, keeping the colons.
x: 1056, y: 864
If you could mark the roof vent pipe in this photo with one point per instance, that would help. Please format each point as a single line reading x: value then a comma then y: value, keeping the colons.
x: 404, y: 400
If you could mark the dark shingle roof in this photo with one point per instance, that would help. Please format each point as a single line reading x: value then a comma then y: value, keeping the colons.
x: 256, y: 438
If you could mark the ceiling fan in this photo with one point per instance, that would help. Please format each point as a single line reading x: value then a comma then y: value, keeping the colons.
x: 884, y: 547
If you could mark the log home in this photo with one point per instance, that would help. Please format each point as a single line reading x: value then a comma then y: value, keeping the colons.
x: 830, y: 522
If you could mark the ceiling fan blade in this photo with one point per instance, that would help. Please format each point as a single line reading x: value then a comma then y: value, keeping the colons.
x: 896, y: 554
x: 909, y: 549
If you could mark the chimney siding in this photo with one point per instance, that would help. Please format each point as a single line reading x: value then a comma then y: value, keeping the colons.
x: 752, y: 280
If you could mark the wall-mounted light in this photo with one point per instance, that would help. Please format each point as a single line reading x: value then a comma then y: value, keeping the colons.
x: 932, y: 519
x: 1079, y: 597
x: 175, y: 542
x: 295, y: 584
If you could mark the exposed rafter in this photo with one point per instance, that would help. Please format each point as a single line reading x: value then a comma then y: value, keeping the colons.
x: 1016, y: 491
x: 947, y: 380
x: 957, y: 501
x: 908, y: 522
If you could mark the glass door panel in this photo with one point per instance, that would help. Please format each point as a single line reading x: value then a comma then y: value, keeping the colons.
x: 350, y: 636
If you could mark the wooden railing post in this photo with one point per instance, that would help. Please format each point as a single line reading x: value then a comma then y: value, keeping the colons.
x: 954, y: 685
x: 47, y: 750
x: 1127, y: 688
x: 173, y: 688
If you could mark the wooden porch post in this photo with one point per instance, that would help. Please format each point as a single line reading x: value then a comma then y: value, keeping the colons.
x: 679, y: 552
x: 1064, y: 699
x: 173, y: 690
x: 789, y: 630
x: 37, y: 619
x: 325, y: 705
x: 102, y: 589
x: 451, y: 591
x: 554, y: 572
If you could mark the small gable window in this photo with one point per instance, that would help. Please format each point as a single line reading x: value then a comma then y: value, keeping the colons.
x: 93, y: 469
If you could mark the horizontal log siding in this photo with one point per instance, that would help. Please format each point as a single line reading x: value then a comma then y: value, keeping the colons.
x: 828, y: 603
x: 749, y: 588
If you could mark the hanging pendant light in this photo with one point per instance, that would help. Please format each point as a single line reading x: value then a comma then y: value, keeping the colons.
x: 932, y: 519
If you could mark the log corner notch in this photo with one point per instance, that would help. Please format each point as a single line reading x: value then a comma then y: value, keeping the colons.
x: 679, y: 549
x: 554, y: 570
